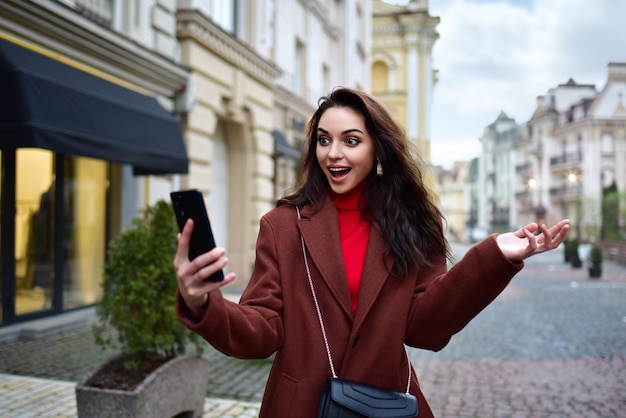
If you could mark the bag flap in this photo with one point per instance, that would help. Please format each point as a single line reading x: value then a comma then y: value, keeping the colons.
x: 373, y: 401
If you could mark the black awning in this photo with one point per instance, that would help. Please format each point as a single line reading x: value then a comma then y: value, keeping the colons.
x: 47, y: 104
x: 283, y: 149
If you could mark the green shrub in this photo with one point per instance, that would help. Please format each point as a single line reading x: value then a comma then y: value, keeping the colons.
x: 596, y: 257
x: 137, y: 310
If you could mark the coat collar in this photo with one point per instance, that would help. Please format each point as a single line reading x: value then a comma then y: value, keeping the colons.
x: 320, y: 231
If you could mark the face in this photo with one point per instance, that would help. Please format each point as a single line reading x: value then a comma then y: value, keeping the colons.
x: 345, y: 150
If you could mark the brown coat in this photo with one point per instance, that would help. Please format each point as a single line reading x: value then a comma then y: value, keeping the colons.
x: 277, y: 314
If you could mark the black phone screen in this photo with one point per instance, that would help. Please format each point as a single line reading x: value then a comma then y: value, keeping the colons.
x: 189, y: 204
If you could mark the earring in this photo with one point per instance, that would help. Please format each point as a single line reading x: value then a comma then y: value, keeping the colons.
x: 379, y: 169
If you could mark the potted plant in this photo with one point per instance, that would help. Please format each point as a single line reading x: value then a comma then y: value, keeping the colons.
x: 575, y: 260
x: 595, y: 258
x: 151, y: 376
x: 567, y: 250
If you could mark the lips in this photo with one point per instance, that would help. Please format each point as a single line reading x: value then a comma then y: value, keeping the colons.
x: 338, y: 171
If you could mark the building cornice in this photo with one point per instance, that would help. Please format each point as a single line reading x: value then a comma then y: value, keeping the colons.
x: 321, y: 13
x: 61, y: 30
x: 192, y: 24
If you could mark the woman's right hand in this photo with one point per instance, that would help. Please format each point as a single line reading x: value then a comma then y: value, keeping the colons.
x: 192, y: 275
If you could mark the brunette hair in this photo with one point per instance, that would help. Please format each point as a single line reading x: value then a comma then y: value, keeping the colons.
x: 398, y: 200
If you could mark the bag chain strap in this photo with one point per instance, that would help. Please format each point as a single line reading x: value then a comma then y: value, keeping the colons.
x: 319, y: 314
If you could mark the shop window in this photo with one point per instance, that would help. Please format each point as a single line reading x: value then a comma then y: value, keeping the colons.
x: 59, y: 245
x: 84, y: 235
x: 34, y: 230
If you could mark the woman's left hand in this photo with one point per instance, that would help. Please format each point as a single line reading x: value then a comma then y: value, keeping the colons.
x: 519, y: 245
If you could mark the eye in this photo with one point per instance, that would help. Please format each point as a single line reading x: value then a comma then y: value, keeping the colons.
x: 352, y: 141
x: 322, y: 140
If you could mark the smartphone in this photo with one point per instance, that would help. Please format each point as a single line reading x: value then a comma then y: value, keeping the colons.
x: 189, y: 204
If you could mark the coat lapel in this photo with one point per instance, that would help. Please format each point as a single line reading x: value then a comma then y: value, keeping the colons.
x: 375, y: 273
x: 320, y: 231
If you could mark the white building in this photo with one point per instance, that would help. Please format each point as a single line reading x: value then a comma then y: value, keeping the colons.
x: 496, y: 174
x: 571, y: 151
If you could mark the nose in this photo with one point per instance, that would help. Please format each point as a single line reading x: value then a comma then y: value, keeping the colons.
x: 335, y: 150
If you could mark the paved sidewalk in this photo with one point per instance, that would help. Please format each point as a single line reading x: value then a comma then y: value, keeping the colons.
x: 24, y: 396
x: 553, y: 345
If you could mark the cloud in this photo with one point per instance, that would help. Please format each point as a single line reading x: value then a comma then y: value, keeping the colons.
x: 497, y: 56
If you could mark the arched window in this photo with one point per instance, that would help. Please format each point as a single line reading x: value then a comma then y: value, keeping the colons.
x: 380, y: 77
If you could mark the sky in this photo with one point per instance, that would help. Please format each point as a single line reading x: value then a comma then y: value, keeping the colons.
x: 499, y: 55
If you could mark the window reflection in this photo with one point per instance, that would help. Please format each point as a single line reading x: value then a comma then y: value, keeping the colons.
x: 64, y: 251
x: 86, y: 182
x: 34, y: 230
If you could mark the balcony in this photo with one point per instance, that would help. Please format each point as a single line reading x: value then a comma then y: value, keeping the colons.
x: 523, y: 168
x: 567, y: 192
x: 567, y: 159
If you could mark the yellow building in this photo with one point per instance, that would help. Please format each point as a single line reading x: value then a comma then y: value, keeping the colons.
x: 402, y: 72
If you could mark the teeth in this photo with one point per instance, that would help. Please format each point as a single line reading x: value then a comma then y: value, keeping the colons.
x: 338, y: 170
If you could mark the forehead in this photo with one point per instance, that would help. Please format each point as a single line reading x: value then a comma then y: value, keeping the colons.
x: 341, y: 118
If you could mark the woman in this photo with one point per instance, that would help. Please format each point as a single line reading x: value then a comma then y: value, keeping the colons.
x: 377, y: 255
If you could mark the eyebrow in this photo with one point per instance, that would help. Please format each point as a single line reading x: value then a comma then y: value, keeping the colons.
x: 347, y: 131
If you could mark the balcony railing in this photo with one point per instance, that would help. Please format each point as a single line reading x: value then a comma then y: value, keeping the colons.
x: 568, y: 191
x: 571, y: 157
x: 520, y: 168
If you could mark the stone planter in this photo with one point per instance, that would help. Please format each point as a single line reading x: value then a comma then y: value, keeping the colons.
x: 177, y: 388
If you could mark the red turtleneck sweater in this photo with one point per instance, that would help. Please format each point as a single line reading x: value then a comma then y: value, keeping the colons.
x: 354, y: 233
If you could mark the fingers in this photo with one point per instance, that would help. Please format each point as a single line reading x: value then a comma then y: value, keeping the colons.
x: 521, y: 233
x: 550, y: 238
x: 182, y: 250
x: 192, y: 275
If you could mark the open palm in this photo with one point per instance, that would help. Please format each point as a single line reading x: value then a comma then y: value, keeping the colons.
x: 519, y: 245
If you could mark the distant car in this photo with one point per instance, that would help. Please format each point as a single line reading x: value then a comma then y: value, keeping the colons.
x: 477, y: 234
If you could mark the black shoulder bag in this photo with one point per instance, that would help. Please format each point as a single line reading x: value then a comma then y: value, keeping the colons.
x: 343, y: 398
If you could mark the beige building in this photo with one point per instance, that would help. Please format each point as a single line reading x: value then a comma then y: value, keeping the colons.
x: 451, y: 190
x: 257, y: 73
x: 207, y: 94
x: 403, y: 76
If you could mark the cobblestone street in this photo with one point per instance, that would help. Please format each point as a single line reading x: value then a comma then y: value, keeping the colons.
x: 552, y: 345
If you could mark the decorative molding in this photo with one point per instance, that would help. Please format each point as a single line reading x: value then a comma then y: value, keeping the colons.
x: 194, y: 25
x: 60, y: 29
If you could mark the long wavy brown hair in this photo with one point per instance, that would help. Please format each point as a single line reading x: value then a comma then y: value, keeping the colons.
x: 398, y: 200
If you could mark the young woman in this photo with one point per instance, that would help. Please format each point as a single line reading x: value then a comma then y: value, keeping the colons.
x: 376, y: 254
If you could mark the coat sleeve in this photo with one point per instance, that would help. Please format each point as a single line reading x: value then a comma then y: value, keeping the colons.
x: 444, y: 302
x: 251, y: 329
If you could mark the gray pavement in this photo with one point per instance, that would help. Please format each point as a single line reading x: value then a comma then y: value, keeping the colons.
x: 552, y: 345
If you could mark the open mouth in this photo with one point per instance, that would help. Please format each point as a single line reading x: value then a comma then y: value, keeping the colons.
x: 338, y: 172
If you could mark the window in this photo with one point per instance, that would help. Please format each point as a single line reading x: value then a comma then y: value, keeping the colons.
x: 60, y: 230
x: 34, y: 230
x: 224, y: 13
x: 299, y: 68
x: 380, y: 77
x: 606, y: 144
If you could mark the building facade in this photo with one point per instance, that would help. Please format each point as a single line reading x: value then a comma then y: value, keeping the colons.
x: 229, y: 85
x: 452, y: 192
x: 258, y: 70
x: 403, y: 76
x: 496, y: 174
x: 89, y: 135
x: 569, y: 154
